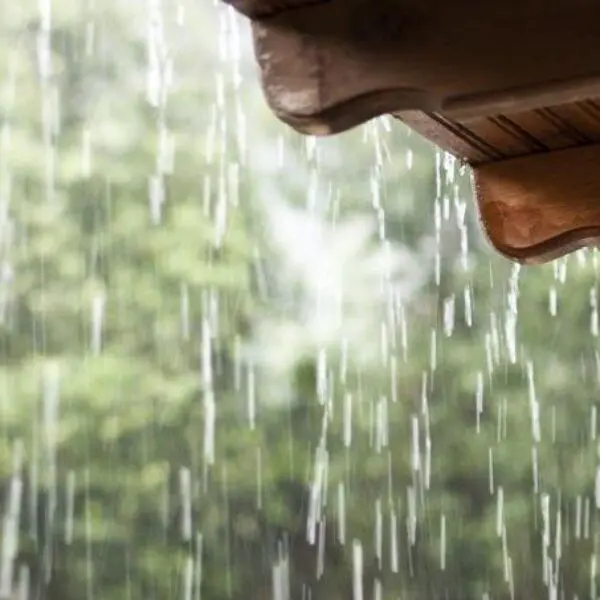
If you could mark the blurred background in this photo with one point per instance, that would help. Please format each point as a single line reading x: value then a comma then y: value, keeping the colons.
x: 238, y: 363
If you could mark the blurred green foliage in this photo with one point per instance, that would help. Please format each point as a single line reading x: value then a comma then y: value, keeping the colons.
x: 157, y: 264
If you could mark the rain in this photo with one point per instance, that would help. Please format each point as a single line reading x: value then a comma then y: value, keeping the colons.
x: 240, y: 363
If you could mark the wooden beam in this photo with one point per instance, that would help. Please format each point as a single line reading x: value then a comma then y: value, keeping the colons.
x: 538, y: 95
x: 331, y: 65
x: 539, y: 207
x: 512, y: 87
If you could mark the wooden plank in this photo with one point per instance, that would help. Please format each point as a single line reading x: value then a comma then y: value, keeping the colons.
x: 506, y: 136
x: 553, y: 130
x: 488, y: 139
x: 449, y: 136
x: 545, y: 93
x: 583, y: 116
x: 539, y: 207
x: 326, y: 64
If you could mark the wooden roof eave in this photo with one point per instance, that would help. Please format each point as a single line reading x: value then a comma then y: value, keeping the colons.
x: 509, y: 87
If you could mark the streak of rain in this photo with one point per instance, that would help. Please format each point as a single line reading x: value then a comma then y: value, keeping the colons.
x: 241, y: 363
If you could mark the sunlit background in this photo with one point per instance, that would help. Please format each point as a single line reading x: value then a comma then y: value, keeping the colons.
x: 239, y: 363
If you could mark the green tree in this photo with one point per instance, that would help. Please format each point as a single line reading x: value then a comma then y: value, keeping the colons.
x: 237, y: 360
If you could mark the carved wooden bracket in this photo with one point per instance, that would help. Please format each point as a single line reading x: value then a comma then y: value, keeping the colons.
x: 509, y: 86
x: 536, y: 208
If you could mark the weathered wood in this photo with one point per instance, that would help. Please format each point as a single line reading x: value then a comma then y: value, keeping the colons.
x: 330, y: 66
x: 512, y: 87
x: 531, y: 97
x: 539, y: 207
x: 489, y: 139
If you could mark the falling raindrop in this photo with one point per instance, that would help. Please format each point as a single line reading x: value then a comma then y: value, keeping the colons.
x: 281, y: 583
x: 415, y: 446
x: 10, y: 524
x: 185, y: 489
x: 357, y: 570
x: 491, y: 470
x: 156, y: 198
x: 479, y: 400
x: 347, y: 411
x: 245, y: 323
x: 341, y: 514
x: 593, y: 575
x: 594, y: 313
x: 412, y: 516
x: 500, y: 512
x: 379, y: 534
x: 394, y: 553
x: 251, y: 387
x: 70, y: 508
x: 98, y: 309
x: 553, y: 301
x: 185, y: 312
x: 188, y: 578
x: 534, y: 405
x: 448, y: 316
x: 597, y: 487
x: 443, y: 543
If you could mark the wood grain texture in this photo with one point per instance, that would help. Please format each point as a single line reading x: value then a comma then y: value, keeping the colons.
x: 498, y: 137
x: 512, y: 87
x: 537, y: 208
x: 330, y: 66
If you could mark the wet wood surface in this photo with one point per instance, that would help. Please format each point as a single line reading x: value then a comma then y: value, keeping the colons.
x: 329, y: 66
x: 540, y: 207
x: 498, y: 137
x: 511, y: 87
